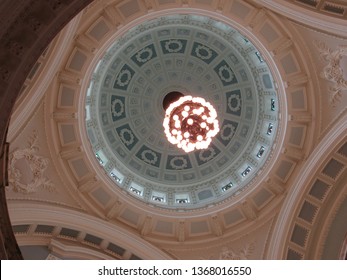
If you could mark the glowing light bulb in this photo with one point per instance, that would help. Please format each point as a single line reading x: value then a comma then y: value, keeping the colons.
x: 185, y: 134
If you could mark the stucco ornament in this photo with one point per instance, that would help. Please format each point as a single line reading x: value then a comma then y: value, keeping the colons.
x: 242, y: 254
x: 27, y: 169
x: 333, y: 71
x: 173, y: 46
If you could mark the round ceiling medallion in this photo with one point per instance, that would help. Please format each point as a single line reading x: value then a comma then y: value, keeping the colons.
x: 156, y: 63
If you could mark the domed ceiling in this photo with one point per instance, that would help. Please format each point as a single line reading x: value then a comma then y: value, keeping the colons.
x: 272, y: 176
x: 194, y: 55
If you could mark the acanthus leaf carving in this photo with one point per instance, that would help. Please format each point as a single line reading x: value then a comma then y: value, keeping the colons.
x: 36, y: 172
x: 333, y: 71
x: 244, y: 253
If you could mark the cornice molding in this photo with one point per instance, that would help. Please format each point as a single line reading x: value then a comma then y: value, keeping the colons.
x: 26, y: 212
x: 300, y: 14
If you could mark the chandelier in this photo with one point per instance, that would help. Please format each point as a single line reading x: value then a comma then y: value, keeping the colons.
x: 190, y: 123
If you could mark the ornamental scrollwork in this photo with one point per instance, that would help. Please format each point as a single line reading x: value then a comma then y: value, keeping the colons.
x: 127, y: 136
x: 27, y: 169
x: 333, y: 71
x: 226, y: 74
x: 117, y: 108
x: 173, y: 46
x: 203, y: 52
x: 227, y: 132
x: 178, y: 163
x: 234, y: 103
x: 207, y: 154
x: 149, y: 157
x: 124, y: 78
x: 140, y: 58
x: 242, y: 254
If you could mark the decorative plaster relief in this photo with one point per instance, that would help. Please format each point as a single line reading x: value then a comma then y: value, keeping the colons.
x: 27, y: 169
x: 243, y: 254
x: 52, y: 257
x: 333, y: 72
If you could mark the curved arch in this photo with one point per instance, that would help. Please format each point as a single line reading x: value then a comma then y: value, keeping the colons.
x: 343, y: 253
x: 18, y: 54
x: 286, y: 165
x: 24, y: 213
x: 16, y: 61
x: 58, y: 250
x: 305, y: 14
x: 300, y: 186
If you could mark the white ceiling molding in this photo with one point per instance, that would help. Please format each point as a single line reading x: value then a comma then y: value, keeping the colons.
x: 23, y: 213
x: 301, y: 184
x: 306, y: 16
x: 68, y: 251
x: 40, y: 86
